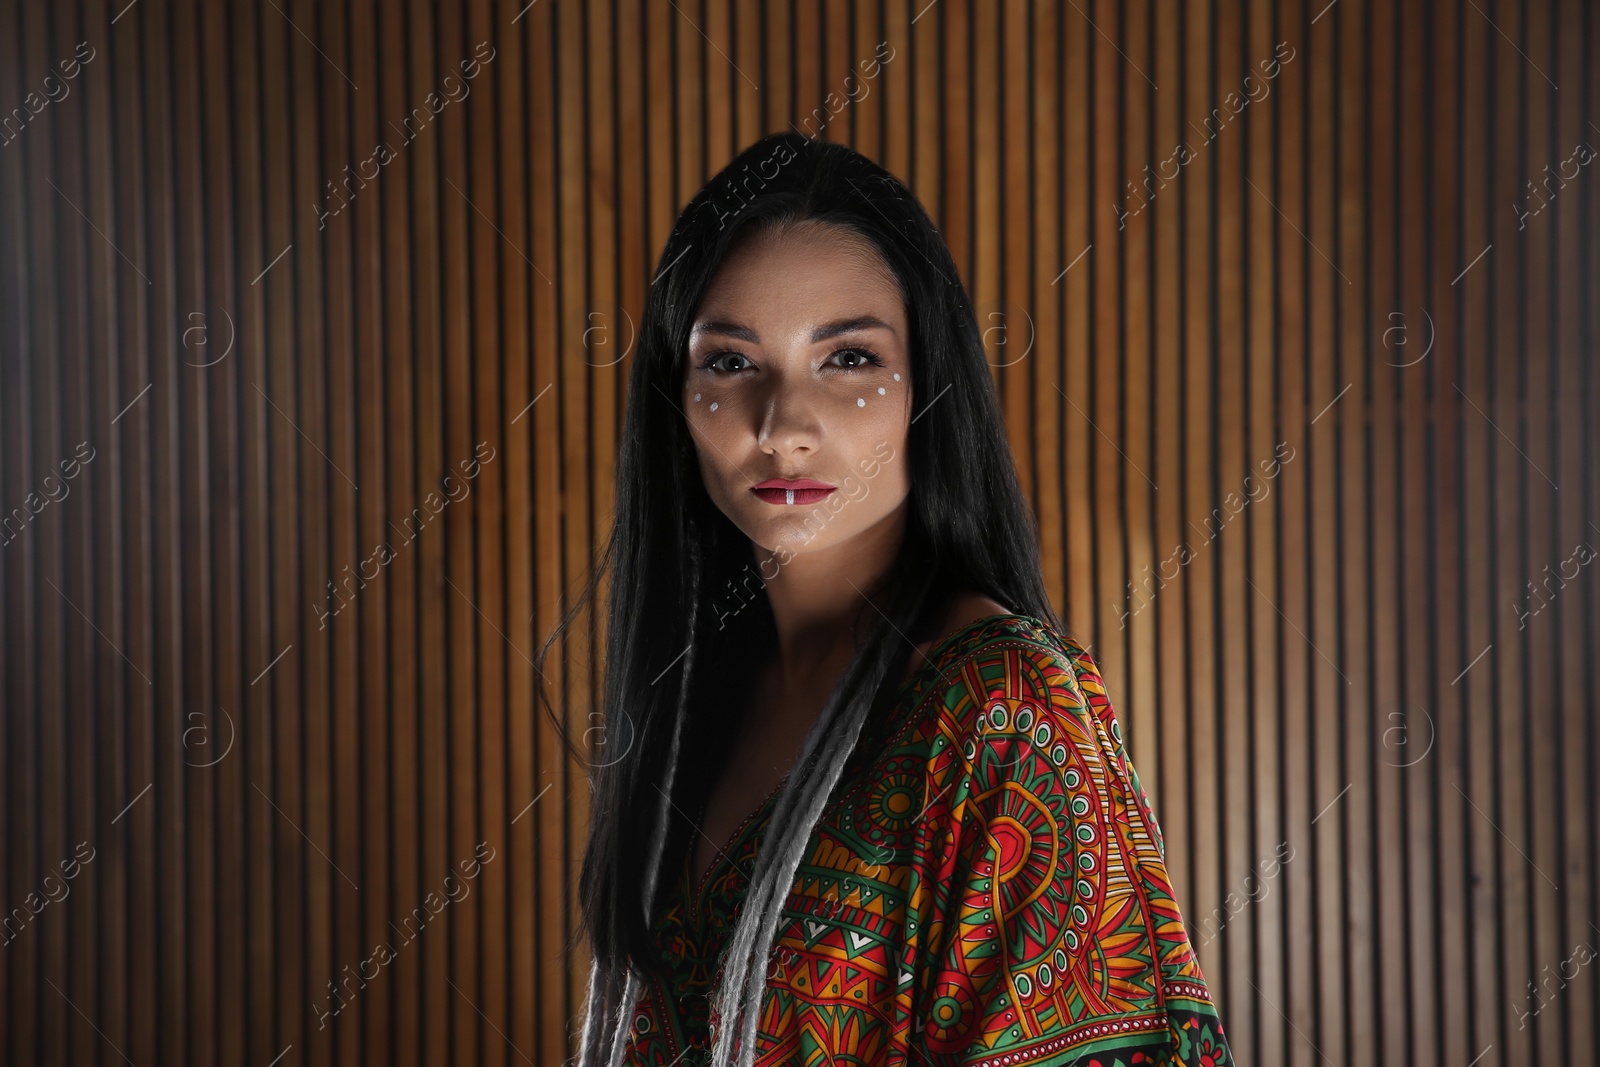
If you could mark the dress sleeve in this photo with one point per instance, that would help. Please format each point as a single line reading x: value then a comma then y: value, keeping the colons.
x: 1044, y: 926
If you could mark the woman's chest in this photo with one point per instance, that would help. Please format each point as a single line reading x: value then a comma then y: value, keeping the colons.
x: 845, y: 944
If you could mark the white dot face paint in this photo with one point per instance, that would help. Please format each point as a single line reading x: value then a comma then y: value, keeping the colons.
x: 897, y: 376
x: 882, y: 391
x: 713, y: 406
x: 697, y: 398
x: 860, y: 403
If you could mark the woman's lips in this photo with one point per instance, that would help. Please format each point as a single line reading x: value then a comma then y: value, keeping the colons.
x: 804, y: 491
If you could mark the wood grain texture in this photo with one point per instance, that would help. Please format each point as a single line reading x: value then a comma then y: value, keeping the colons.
x: 307, y: 446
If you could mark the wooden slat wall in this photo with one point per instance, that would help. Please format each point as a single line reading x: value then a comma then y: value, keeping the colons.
x: 1365, y: 710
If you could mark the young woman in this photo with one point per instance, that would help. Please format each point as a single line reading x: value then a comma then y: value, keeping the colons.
x: 861, y: 799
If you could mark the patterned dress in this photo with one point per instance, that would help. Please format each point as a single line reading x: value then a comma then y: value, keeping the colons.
x: 987, y: 887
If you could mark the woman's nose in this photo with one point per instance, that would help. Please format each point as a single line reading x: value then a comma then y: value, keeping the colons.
x: 790, y: 416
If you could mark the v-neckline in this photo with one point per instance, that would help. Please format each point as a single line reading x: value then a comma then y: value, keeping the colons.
x: 910, y: 694
x: 723, y: 854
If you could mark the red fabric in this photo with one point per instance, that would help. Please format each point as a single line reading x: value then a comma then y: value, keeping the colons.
x: 988, y: 887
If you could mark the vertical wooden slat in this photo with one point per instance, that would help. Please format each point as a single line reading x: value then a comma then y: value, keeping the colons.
x: 360, y: 699
x: 1041, y: 27
x: 276, y: 773
x: 838, y: 63
x: 103, y: 932
x: 951, y: 201
x: 224, y: 472
x: 1168, y: 595
x: 803, y: 39
x: 1098, y: 403
x: 15, y: 650
x: 1360, y: 658
x: 390, y: 334
x: 1131, y: 641
x: 1201, y: 839
x: 164, y: 416
x: 243, y: 729
x: 1575, y: 523
x: 1384, y: 455
x: 723, y: 79
x: 1286, y: 476
x: 543, y: 422
x: 69, y: 933
x: 1071, y: 386
x: 778, y: 104
x: 1255, y: 862
x: 1156, y: 597
x: 1221, y: 534
x: 973, y: 133
x: 343, y: 699
x: 1437, y: 740
x: 466, y: 314
x: 1405, y: 742
x: 575, y: 382
x: 1332, y: 773
x: 482, y: 527
x: 54, y: 172
x: 1540, y: 706
x: 1498, y: 394
x: 896, y: 82
x: 1587, y: 31
x: 1091, y: 392
x: 447, y: 648
x: 983, y: 270
x: 1226, y: 534
x: 1474, y: 272
x: 478, y: 959
x: 749, y: 122
x: 865, y: 36
x: 334, y: 704
x: 924, y: 172
x: 520, y: 878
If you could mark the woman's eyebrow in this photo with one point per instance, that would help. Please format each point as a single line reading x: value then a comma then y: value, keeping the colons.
x: 820, y: 334
x: 859, y: 322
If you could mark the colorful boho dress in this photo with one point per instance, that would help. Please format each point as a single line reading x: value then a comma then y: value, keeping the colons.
x: 987, y: 887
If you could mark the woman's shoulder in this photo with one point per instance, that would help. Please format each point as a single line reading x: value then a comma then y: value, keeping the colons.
x: 986, y: 647
x: 967, y: 611
x: 1008, y: 672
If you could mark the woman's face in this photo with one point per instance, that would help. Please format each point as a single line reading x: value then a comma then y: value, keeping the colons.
x: 798, y: 372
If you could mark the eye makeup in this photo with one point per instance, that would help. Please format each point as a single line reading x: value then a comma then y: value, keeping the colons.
x: 871, y: 359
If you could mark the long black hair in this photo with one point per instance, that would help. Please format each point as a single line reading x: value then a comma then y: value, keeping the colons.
x: 673, y: 672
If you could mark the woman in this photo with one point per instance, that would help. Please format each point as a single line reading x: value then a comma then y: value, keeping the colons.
x: 860, y: 799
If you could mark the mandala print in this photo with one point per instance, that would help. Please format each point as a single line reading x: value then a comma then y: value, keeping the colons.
x: 987, y: 889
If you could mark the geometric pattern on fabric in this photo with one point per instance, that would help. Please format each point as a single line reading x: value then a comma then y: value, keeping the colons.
x: 986, y: 888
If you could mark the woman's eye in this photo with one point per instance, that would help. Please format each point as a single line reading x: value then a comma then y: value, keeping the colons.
x: 711, y: 361
x: 844, y: 359
x: 866, y: 358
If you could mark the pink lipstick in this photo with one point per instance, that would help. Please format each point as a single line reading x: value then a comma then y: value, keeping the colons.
x: 792, y: 490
